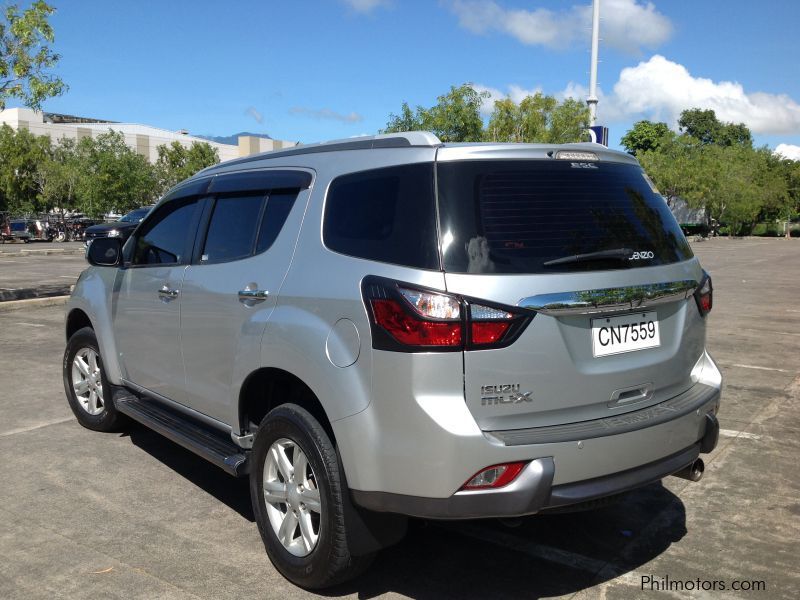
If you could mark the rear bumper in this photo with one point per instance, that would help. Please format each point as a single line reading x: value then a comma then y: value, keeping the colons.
x: 530, y: 493
x: 421, y: 474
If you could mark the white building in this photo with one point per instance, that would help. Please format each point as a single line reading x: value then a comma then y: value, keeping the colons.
x: 144, y: 139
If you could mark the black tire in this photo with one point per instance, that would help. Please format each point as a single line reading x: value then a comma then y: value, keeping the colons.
x: 107, y: 419
x: 330, y: 561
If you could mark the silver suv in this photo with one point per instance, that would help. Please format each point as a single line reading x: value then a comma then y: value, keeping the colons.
x: 391, y: 326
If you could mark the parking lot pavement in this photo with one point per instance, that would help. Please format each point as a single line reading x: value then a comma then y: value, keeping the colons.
x: 32, y: 270
x: 90, y: 515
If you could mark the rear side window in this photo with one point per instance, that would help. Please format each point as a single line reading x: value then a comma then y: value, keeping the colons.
x: 279, y: 205
x: 233, y: 226
x: 515, y: 216
x: 386, y: 215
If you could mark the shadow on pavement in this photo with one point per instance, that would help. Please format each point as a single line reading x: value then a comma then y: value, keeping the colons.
x: 544, y: 556
x: 541, y: 556
x: 233, y: 492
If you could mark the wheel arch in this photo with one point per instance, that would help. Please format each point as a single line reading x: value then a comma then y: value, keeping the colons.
x: 76, y: 319
x: 269, y: 387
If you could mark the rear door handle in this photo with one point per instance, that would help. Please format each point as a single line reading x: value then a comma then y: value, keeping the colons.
x: 165, y: 293
x: 253, y: 295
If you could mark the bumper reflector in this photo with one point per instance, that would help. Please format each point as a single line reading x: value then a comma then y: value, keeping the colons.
x: 495, y: 476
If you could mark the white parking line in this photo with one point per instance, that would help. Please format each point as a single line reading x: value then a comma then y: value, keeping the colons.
x: 30, y: 324
x: 761, y: 368
x: 739, y: 434
x: 773, y: 332
x: 34, y: 427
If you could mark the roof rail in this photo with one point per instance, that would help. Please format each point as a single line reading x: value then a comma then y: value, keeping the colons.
x: 407, y: 139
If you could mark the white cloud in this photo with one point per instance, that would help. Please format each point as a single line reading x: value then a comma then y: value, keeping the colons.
x: 515, y: 92
x: 659, y: 89
x: 252, y: 111
x: 326, y: 113
x: 365, y: 6
x: 626, y: 25
x: 662, y: 89
x: 788, y: 151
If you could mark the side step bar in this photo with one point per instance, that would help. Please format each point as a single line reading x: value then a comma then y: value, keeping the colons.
x: 196, y: 437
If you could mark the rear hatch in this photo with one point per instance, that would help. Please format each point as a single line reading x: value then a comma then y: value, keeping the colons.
x: 581, y: 238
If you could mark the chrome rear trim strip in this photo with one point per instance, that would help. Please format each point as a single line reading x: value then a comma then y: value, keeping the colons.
x: 698, y: 397
x: 618, y: 299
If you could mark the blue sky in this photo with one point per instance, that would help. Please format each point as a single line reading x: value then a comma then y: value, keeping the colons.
x: 316, y: 70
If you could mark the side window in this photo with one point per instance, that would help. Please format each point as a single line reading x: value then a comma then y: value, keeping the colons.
x: 385, y: 215
x: 164, y: 238
x: 233, y: 226
x: 279, y: 205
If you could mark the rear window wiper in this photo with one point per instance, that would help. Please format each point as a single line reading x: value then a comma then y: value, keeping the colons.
x: 616, y: 253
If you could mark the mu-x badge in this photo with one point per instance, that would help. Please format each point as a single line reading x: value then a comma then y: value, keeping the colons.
x: 505, y: 393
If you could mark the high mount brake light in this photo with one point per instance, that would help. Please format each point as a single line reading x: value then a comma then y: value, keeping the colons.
x: 406, y: 318
x: 704, y: 295
x: 575, y: 155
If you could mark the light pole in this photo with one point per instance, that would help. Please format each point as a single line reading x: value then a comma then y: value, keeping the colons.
x: 592, y: 99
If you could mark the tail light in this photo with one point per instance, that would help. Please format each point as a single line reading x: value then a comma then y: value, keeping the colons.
x: 408, y: 318
x: 704, y: 295
x: 494, y: 477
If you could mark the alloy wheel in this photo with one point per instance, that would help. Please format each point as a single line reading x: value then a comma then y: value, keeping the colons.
x: 292, y: 497
x: 87, y: 381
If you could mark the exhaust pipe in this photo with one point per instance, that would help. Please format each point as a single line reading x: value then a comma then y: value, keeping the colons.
x: 694, y: 472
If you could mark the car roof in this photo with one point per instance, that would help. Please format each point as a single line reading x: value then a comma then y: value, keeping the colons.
x: 421, y: 139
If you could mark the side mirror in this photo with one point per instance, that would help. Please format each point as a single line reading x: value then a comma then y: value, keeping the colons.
x: 104, y: 252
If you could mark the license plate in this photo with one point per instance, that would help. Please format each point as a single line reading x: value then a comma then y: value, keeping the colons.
x: 627, y: 333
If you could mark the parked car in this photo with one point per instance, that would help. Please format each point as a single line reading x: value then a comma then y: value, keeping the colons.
x: 120, y: 229
x: 390, y: 326
x: 19, y: 230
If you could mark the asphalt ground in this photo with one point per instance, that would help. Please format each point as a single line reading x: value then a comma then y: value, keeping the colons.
x: 39, y: 269
x: 90, y: 515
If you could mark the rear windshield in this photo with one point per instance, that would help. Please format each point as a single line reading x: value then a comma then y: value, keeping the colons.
x: 515, y: 216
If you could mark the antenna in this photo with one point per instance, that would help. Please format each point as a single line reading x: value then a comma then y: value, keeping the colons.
x: 592, y: 99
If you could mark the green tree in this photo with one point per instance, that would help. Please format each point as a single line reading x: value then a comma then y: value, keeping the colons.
x: 456, y: 117
x: 58, y: 175
x: 675, y: 167
x: 405, y: 121
x: 644, y: 136
x: 25, y: 56
x: 704, y: 126
x: 770, y: 178
x: 21, y: 153
x: 568, y: 122
x: 537, y: 119
x: 505, y: 124
x: 112, y: 176
x: 176, y: 162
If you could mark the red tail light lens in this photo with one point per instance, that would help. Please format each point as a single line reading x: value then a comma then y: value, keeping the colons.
x: 488, y: 325
x: 494, y: 477
x: 406, y: 318
x: 412, y: 331
x: 488, y: 333
x: 705, y: 295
